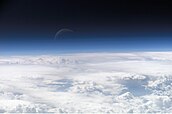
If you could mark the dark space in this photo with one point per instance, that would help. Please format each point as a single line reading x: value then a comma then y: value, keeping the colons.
x: 124, y: 22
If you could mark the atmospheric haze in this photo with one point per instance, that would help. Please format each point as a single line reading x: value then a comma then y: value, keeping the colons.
x: 87, y: 82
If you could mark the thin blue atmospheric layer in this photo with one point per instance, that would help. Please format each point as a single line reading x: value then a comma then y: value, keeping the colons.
x: 72, y: 45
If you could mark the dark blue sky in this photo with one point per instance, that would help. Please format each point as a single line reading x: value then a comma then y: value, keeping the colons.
x: 86, y: 44
x: 29, y: 26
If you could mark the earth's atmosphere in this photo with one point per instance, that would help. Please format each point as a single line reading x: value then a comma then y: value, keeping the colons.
x: 87, y: 82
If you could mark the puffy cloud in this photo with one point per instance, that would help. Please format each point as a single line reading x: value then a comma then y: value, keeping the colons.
x: 87, y: 82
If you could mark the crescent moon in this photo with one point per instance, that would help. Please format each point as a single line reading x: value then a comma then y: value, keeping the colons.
x: 61, y: 31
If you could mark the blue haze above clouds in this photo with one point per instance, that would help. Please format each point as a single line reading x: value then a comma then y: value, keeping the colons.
x: 70, y: 45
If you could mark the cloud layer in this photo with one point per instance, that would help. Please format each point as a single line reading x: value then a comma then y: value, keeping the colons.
x: 87, y: 82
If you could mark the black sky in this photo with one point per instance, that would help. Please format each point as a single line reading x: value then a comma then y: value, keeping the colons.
x: 114, y: 24
x: 38, y: 16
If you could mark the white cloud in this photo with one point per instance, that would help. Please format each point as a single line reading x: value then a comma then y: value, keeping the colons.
x: 87, y: 82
